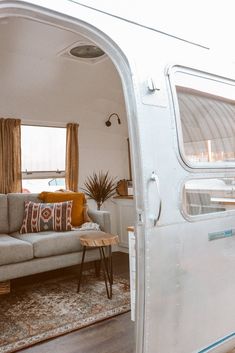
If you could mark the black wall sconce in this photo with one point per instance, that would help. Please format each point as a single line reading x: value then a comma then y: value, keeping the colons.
x: 108, y: 122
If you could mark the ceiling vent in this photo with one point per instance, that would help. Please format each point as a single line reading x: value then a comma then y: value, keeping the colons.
x: 86, y: 52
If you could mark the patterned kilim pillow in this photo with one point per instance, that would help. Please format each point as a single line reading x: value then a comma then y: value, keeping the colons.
x: 39, y: 217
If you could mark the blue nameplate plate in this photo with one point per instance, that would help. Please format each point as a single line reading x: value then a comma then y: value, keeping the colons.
x: 222, y: 234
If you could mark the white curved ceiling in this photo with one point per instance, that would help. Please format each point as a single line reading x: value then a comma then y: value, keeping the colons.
x: 38, y: 83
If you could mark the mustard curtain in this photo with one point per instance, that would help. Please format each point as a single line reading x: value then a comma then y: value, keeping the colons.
x: 10, y: 156
x: 71, y: 165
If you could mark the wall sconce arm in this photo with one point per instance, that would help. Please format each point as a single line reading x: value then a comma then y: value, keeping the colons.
x: 108, y: 122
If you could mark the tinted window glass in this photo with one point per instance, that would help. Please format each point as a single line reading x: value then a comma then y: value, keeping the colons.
x: 202, y: 196
x: 207, y: 115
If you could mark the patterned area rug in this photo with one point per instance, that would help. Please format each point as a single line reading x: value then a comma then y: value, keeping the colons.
x: 37, y: 312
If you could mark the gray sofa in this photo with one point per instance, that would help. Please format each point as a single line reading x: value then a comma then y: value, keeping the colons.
x: 26, y: 254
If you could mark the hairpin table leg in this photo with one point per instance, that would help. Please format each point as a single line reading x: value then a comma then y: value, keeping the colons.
x: 108, y: 268
x: 106, y: 274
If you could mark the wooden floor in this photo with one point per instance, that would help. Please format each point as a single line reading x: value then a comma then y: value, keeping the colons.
x: 115, y: 335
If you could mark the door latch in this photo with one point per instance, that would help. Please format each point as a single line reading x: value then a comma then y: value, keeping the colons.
x: 156, y: 217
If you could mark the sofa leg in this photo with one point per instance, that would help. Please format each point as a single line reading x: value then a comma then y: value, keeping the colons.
x: 5, y: 287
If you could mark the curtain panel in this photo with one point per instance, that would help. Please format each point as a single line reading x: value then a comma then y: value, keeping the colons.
x: 72, y: 156
x: 10, y: 156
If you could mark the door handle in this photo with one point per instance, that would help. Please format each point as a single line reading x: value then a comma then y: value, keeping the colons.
x: 154, y: 178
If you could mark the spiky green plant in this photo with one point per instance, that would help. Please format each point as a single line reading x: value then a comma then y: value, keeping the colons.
x: 100, y: 187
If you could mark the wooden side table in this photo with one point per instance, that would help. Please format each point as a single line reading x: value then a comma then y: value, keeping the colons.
x: 101, y: 241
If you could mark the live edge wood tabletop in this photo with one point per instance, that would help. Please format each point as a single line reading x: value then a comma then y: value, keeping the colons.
x: 98, y: 239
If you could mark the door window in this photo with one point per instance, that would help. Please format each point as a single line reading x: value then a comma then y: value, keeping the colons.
x: 205, y: 110
x: 203, y: 196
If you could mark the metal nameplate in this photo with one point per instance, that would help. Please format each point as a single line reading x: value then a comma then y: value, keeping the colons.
x: 222, y: 234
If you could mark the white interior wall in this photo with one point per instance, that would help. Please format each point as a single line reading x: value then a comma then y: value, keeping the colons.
x: 86, y: 97
x: 41, y: 86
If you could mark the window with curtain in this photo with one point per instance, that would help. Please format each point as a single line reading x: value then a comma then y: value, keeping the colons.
x: 43, y: 158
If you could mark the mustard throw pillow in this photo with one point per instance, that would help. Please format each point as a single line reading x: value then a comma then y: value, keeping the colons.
x: 79, y: 202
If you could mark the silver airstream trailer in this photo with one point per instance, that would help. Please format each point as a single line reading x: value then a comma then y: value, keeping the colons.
x: 177, y: 106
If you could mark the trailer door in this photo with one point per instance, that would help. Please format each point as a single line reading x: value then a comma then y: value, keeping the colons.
x: 190, y: 234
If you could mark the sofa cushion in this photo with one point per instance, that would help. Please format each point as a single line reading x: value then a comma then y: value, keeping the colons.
x: 13, y: 250
x: 16, y: 209
x: 3, y: 214
x: 39, y: 217
x: 53, y: 243
x: 79, y: 203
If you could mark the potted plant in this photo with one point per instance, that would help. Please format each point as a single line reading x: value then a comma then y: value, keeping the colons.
x: 100, y: 187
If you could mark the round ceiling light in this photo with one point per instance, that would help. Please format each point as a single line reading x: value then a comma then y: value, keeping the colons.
x: 87, y: 51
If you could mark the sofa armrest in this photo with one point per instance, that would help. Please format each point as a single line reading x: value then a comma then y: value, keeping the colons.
x: 102, y: 218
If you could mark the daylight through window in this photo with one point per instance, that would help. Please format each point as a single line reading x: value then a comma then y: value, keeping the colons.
x: 207, y: 119
x: 43, y: 158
